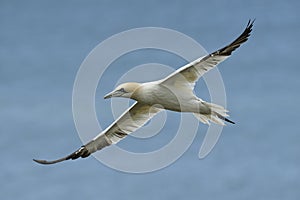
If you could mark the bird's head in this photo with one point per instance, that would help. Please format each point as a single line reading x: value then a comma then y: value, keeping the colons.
x: 125, y: 90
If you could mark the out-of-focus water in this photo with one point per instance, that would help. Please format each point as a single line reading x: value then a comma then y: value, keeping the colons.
x: 42, y: 46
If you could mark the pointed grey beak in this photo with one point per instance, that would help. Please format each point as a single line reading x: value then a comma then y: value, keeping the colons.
x: 109, y: 95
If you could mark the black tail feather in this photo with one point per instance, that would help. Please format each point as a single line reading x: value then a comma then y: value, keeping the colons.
x: 224, y: 118
x: 228, y: 120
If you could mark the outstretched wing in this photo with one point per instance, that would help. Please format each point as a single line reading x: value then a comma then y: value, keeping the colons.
x: 131, y: 120
x: 187, y: 75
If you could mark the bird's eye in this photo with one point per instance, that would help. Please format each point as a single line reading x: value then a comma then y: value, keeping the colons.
x: 122, y: 90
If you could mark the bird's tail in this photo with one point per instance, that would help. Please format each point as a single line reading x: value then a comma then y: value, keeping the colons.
x: 217, y: 115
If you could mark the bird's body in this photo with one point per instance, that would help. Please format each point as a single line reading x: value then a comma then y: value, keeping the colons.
x: 167, y: 97
x: 175, y: 93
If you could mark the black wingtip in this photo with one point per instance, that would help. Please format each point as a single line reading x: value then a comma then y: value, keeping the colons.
x: 248, y: 29
x: 46, y: 162
x: 250, y: 22
x: 82, y: 152
x: 250, y: 25
x: 227, y: 50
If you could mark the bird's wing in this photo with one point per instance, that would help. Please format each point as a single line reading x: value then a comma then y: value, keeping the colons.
x: 135, y: 117
x: 131, y: 120
x: 187, y: 75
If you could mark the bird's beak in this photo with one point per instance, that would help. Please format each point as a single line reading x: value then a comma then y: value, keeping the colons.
x: 109, y: 95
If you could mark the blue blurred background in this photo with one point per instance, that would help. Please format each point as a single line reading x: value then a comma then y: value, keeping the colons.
x: 42, y: 46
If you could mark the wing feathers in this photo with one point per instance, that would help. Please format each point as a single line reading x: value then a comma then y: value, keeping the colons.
x: 132, y: 119
x: 191, y: 72
x: 226, y: 51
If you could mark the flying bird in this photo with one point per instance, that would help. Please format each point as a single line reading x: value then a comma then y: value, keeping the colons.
x: 175, y: 93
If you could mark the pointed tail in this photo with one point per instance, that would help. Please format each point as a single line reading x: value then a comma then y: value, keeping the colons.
x: 217, y: 115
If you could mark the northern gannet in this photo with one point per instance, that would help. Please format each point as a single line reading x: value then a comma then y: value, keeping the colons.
x: 175, y: 93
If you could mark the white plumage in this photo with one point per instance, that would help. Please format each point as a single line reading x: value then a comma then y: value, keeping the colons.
x: 175, y: 92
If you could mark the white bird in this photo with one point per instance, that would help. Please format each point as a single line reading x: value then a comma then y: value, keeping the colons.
x: 175, y: 93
